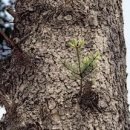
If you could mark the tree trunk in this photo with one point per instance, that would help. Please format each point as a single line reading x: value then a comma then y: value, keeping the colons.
x: 35, y: 87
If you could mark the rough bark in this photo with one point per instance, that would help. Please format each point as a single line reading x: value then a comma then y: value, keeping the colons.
x: 36, y: 88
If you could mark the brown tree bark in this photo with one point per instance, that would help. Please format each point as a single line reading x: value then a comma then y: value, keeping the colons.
x: 37, y: 90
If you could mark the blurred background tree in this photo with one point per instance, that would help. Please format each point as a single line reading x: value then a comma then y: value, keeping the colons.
x: 6, y: 26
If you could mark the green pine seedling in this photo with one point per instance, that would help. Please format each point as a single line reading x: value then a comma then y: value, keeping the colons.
x: 84, y: 65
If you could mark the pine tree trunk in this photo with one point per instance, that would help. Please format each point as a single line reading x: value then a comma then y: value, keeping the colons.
x: 35, y: 87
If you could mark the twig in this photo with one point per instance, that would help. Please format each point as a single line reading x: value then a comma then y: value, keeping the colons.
x: 90, y: 64
x: 70, y: 69
x: 80, y: 72
x: 7, y: 39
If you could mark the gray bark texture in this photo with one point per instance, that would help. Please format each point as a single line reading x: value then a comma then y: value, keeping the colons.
x: 39, y: 93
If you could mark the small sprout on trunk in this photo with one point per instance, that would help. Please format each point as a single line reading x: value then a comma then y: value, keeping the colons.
x: 84, y: 65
